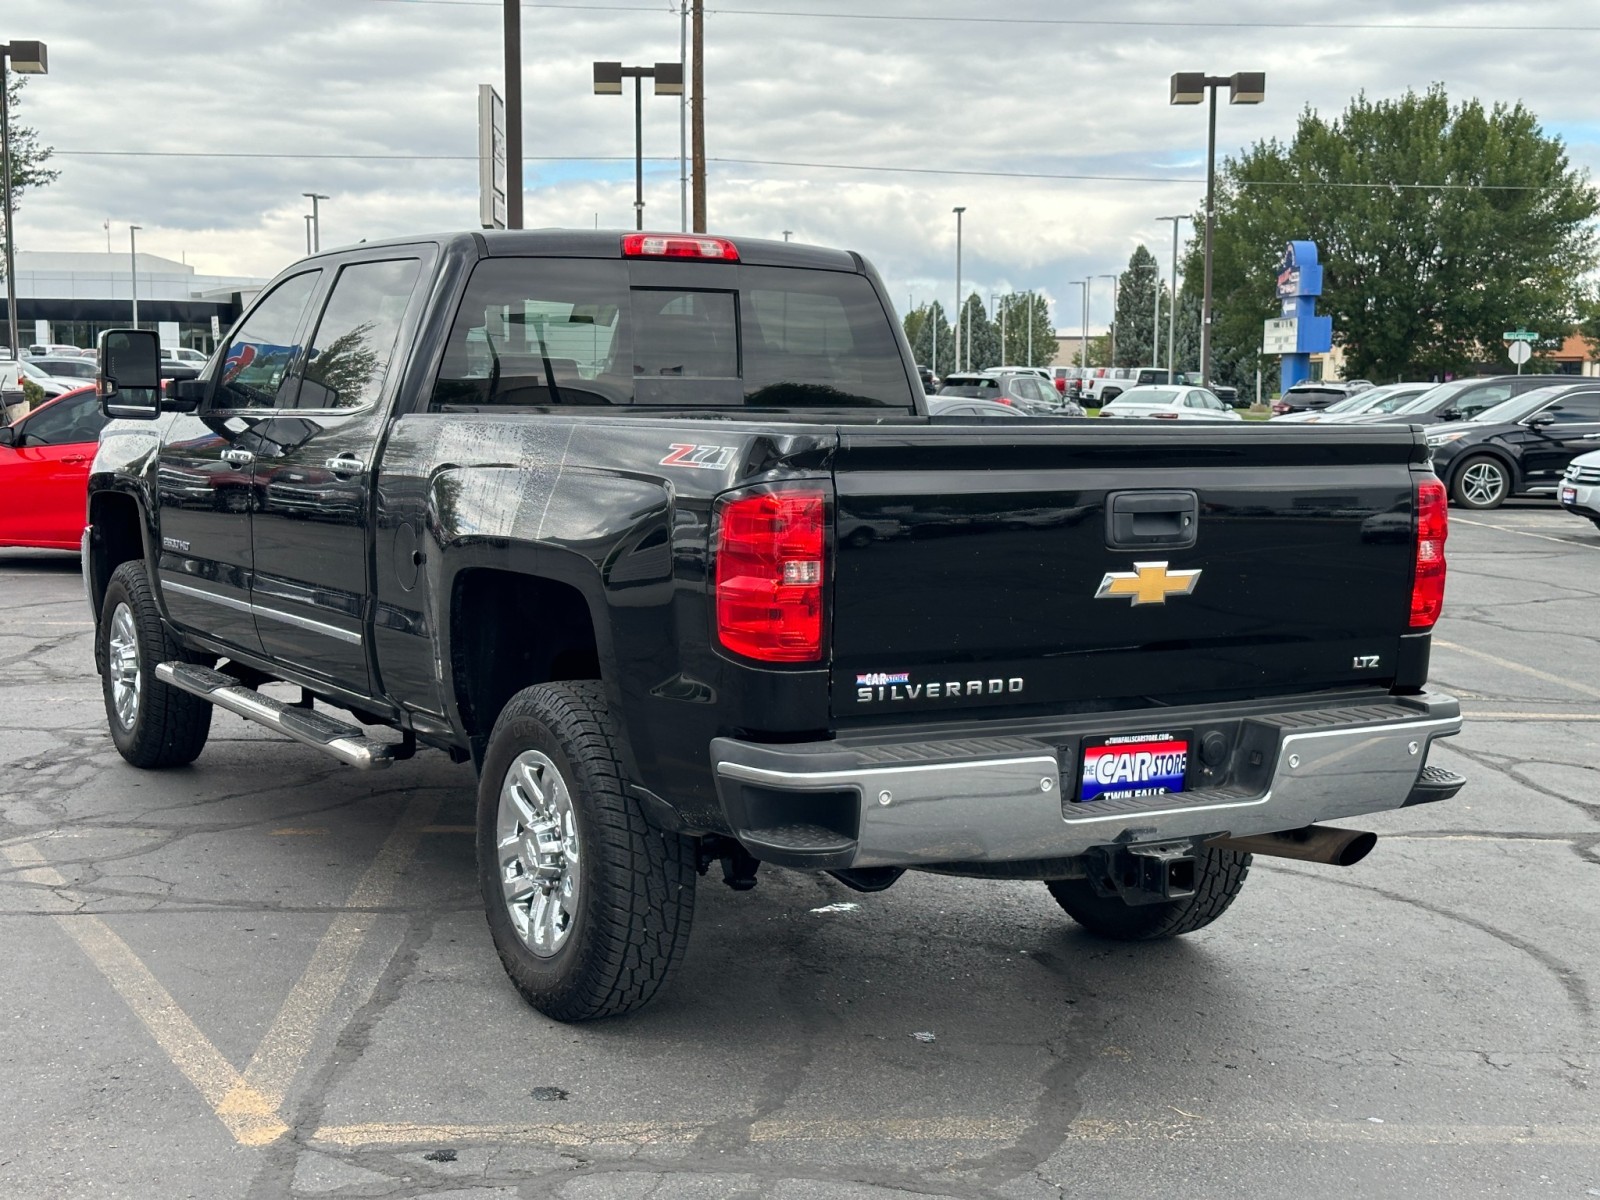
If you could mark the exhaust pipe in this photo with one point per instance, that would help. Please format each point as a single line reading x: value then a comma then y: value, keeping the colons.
x: 1314, y: 843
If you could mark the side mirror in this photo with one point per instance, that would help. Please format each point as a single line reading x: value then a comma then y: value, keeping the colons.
x: 130, y: 374
x: 1542, y: 420
x: 183, y: 395
x: 8, y: 435
x: 1450, y: 414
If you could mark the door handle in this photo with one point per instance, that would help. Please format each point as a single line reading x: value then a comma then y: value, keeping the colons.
x: 74, y: 460
x: 239, y: 458
x: 346, y: 465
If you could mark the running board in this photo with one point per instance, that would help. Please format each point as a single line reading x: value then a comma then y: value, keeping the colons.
x: 348, y: 743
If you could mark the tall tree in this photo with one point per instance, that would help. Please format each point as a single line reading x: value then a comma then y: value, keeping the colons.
x: 29, y: 158
x: 927, y: 327
x: 981, y: 337
x: 1439, y: 226
x: 1135, y: 309
x: 1021, y: 309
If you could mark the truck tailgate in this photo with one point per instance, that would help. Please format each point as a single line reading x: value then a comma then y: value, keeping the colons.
x: 980, y: 567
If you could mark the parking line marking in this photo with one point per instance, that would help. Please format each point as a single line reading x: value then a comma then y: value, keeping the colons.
x: 283, y: 1050
x: 247, y: 1104
x: 1543, y: 537
x: 1532, y: 672
x: 248, y: 1116
x: 943, y: 1129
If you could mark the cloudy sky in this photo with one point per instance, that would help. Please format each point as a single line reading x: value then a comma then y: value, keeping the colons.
x: 858, y: 125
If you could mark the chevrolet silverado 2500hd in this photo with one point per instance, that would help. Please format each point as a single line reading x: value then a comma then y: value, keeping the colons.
x: 655, y: 532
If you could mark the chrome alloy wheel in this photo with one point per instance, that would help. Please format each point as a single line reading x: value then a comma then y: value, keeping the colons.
x: 1483, y: 484
x: 123, y: 665
x: 536, y: 833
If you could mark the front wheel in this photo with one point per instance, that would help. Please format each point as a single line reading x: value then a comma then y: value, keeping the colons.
x: 1219, y: 876
x: 152, y: 724
x: 588, y: 904
x: 1482, y: 483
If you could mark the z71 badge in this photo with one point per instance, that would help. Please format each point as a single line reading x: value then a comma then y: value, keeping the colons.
x: 707, y: 458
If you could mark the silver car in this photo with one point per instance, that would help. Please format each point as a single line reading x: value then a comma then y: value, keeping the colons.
x: 1155, y: 402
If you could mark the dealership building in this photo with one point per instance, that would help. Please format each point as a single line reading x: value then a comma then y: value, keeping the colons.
x: 71, y: 298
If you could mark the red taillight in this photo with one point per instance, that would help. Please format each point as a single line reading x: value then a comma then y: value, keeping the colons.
x: 1004, y: 400
x: 671, y: 245
x: 769, y: 574
x: 1433, y: 526
x: 1165, y: 416
x: 1279, y: 409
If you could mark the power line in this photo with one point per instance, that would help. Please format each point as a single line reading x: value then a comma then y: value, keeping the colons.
x: 1070, y: 22
x: 1071, y: 177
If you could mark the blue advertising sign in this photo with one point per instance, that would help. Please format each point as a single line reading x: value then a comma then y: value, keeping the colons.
x: 1299, y: 332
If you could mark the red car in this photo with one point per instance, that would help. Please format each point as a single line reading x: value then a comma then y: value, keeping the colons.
x: 44, y: 472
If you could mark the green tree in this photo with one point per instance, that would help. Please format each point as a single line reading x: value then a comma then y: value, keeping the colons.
x: 1439, y: 226
x: 1135, y: 309
x: 980, y: 337
x: 926, y: 328
x: 29, y: 158
x: 1020, y: 309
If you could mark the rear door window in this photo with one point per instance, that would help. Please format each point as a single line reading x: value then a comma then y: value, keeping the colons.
x: 350, y: 352
x: 560, y: 332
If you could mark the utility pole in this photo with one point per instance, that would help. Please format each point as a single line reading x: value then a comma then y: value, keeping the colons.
x: 960, y: 307
x: 697, y: 114
x: 308, y: 235
x: 1155, y: 319
x: 683, y: 121
x: 513, y: 50
x: 316, y: 220
x: 1030, y: 327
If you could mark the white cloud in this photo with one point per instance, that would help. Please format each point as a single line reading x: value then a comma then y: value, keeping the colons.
x: 341, y: 77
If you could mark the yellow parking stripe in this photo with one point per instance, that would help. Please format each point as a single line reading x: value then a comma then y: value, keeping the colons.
x: 249, y: 1117
x: 954, y: 1129
x: 247, y: 1104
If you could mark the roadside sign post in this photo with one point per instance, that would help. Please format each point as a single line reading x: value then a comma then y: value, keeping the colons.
x: 1521, y: 349
x: 1297, y: 332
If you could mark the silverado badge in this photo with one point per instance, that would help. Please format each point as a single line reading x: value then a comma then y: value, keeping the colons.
x: 1147, y: 583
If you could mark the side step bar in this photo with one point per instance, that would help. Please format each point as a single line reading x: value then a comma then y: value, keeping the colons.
x: 348, y: 743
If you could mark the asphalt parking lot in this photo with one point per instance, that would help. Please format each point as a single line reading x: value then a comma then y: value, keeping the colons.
x: 267, y: 975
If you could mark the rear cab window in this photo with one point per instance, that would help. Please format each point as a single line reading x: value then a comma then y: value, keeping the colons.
x: 537, y: 333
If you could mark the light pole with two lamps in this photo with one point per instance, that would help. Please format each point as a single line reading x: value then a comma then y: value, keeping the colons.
x: 608, y: 77
x: 25, y: 58
x: 316, y: 220
x: 1191, y: 87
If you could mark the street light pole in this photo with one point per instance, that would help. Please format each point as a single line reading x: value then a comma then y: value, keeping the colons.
x: 308, y: 235
x: 133, y: 269
x: 1111, y: 329
x: 316, y: 221
x: 960, y: 308
x: 1083, y: 344
x: 26, y: 58
x: 608, y: 77
x: 1155, y: 318
x: 1190, y: 87
x: 1172, y: 313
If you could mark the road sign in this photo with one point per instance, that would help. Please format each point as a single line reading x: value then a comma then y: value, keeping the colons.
x: 491, y: 158
x: 1520, y: 352
x: 1520, y: 335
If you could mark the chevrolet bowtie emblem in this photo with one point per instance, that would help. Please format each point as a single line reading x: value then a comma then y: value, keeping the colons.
x: 1147, y: 583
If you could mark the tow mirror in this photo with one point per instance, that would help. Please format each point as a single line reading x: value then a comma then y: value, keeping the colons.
x: 130, y: 374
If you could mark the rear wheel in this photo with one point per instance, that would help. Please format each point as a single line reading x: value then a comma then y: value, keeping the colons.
x: 589, y: 905
x: 152, y: 724
x: 1481, y: 482
x: 1107, y: 396
x: 1219, y: 876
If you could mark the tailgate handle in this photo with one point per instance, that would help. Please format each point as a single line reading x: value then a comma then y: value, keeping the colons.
x: 1147, y: 520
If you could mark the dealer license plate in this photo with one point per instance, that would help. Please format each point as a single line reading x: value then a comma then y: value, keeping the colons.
x: 1569, y: 495
x: 1133, y: 766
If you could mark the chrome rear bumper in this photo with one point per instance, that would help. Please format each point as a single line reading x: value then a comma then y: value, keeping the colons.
x: 1012, y: 796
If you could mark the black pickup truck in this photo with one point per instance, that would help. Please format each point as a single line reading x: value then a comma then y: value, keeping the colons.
x: 655, y: 532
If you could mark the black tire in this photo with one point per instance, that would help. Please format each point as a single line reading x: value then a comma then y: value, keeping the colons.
x: 1107, y: 396
x: 152, y: 724
x: 1220, y: 874
x: 633, y: 889
x: 1470, y: 486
